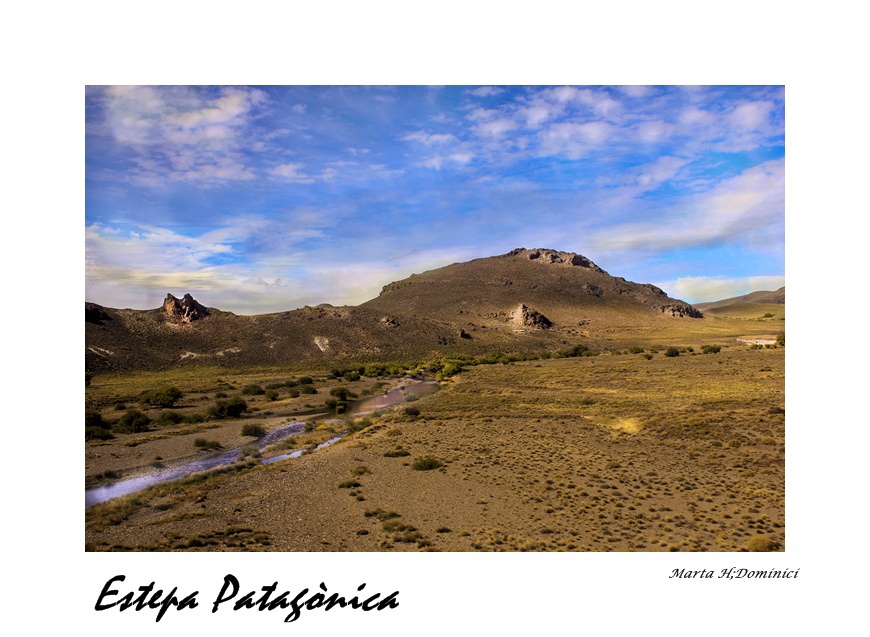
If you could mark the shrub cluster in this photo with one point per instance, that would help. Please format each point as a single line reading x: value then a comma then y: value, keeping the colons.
x: 133, y: 421
x: 254, y: 429
x: 232, y: 408
x: 161, y: 397
x: 206, y: 445
x: 426, y: 463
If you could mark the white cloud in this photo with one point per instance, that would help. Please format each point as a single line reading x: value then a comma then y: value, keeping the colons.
x: 707, y: 289
x: 183, y: 133
x: 291, y: 172
x: 486, y: 91
x: 733, y: 210
x: 429, y: 139
x: 572, y: 139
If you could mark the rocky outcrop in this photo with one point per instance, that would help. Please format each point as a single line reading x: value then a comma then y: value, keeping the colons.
x: 545, y: 255
x: 681, y: 310
x: 96, y: 314
x: 525, y: 317
x: 186, y: 309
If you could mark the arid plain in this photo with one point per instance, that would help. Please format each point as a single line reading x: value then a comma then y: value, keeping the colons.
x: 615, y: 433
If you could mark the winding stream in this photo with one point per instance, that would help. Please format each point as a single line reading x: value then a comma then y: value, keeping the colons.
x: 356, y: 408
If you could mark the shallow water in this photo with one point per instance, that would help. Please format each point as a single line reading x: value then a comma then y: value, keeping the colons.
x: 156, y: 476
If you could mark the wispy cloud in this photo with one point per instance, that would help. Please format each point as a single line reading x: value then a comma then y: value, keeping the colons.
x: 181, y: 133
x: 705, y: 289
x: 268, y: 191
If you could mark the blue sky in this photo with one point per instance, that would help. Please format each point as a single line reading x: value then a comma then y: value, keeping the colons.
x: 263, y: 199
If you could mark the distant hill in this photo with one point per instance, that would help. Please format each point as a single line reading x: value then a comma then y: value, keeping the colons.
x: 777, y: 296
x: 525, y: 300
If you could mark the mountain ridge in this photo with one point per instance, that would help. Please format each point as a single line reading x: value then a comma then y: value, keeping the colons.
x: 524, y: 300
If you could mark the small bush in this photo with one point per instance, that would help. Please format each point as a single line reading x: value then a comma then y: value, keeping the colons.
x: 232, y: 408
x: 397, y: 453
x: 358, y: 425
x: 711, y: 349
x: 648, y: 356
x: 672, y: 351
x: 168, y: 418
x: 161, y: 397
x: 412, y: 411
x: 307, y: 389
x: 93, y: 418
x: 305, y: 380
x: 248, y: 451
x: 635, y: 350
x: 97, y: 433
x: 349, y: 484
x: 426, y: 463
x: 271, y: 394
x: 253, y: 390
x: 342, y: 393
x: 780, y: 340
x: 760, y: 543
x: 253, y: 429
x: 133, y: 421
x: 206, y: 445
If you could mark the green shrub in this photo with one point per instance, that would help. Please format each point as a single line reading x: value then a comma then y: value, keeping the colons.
x: 426, y: 463
x: 93, y: 418
x: 358, y: 425
x: 232, y: 408
x: 248, y: 451
x: 577, y: 350
x: 342, y: 393
x: 412, y: 411
x: 253, y: 390
x: 168, y: 418
x: 305, y: 380
x: 193, y: 418
x: 254, y: 429
x: 648, y: 356
x: 635, y: 350
x: 672, y: 351
x: 780, y: 339
x: 307, y: 389
x: 271, y: 394
x: 293, y: 393
x: 161, y: 397
x: 97, y: 433
x: 133, y: 421
x: 206, y: 445
x: 711, y: 349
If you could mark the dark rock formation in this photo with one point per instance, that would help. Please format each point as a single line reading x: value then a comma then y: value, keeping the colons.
x: 186, y: 310
x: 96, y: 314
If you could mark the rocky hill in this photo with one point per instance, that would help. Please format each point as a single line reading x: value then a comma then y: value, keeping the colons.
x: 525, y: 300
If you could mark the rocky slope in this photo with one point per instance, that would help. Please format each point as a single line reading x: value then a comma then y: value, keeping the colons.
x: 525, y: 300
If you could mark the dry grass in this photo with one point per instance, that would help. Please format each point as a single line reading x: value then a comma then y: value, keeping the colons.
x: 614, y: 452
